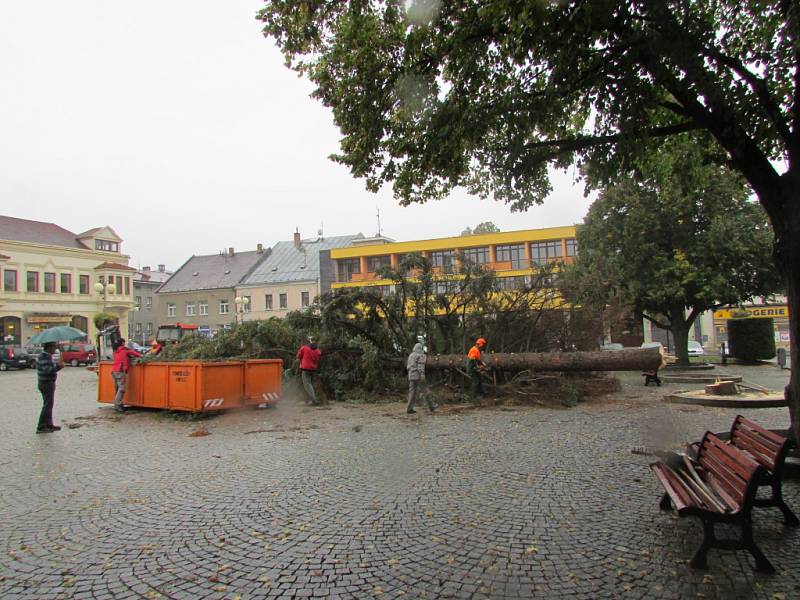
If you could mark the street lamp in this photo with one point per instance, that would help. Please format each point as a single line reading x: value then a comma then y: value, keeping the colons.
x: 132, y: 323
x: 242, y: 302
x: 104, y: 289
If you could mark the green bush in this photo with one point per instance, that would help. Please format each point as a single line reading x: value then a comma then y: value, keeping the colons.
x: 751, y: 339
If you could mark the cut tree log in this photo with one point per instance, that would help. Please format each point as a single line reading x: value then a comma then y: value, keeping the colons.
x: 722, y: 388
x: 647, y: 359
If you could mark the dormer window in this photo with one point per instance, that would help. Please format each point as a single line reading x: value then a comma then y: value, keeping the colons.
x: 106, y: 246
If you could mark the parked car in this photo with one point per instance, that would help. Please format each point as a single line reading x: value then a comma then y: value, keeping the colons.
x: 33, y: 354
x: 78, y: 353
x: 695, y: 348
x: 13, y: 357
x: 612, y: 347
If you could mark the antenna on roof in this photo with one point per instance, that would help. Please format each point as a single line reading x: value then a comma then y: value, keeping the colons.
x: 379, y: 220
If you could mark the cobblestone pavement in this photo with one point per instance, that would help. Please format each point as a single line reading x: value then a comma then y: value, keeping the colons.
x: 362, y: 502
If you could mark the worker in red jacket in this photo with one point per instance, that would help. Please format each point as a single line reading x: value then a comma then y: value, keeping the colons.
x: 309, y: 356
x: 122, y: 364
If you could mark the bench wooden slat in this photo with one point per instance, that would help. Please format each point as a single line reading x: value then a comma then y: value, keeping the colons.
x: 741, y: 422
x: 731, y: 457
x: 762, y: 450
x: 732, y: 469
x: 674, y: 487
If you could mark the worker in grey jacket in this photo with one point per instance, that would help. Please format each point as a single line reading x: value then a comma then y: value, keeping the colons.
x: 416, y: 378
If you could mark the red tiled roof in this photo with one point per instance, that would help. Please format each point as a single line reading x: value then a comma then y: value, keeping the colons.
x: 38, y: 232
x: 115, y: 266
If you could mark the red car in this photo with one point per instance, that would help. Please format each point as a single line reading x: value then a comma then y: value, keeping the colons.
x: 77, y: 353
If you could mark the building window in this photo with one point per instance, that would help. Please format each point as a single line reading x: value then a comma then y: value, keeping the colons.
x: 444, y: 261
x: 127, y: 286
x: 476, y: 256
x: 511, y: 283
x: 138, y: 328
x: 138, y: 302
x: 247, y: 306
x: 33, y: 281
x: 513, y: 253
x: 282, y: 301
x: 268, y: 301
x: 375, y: 263
x: 446, y: 287
x: 346, y: 268
x: 572, y: 247
x: 149, y: 329
x: 119, y: 284
x: 66, y: 283
x: 203, y: 305
x: 83, y: 284
x: 171, y: 309
x: 106, y: 246
x: 224, y: 307
x: 10, y: 280
x: 50, y: 283
x: 190, y: 307
x: 148, y: 302
x: 304, y: 299
x: 544, y: 252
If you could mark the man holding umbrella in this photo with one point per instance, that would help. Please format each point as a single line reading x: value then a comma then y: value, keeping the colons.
x: 47, y: 371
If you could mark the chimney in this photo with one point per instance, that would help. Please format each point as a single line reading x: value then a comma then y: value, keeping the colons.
x: 297, y: 238
x: 230, y: 251
x: 145, y: 268
x: 260, y: 248
x: 162, y: 268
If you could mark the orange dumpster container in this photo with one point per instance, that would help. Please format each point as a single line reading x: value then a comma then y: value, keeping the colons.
x: 262, y: 381
x: 196, y: 386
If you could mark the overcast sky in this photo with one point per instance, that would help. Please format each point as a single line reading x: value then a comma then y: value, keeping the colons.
x: 177, y: 124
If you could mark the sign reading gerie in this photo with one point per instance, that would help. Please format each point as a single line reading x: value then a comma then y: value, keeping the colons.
x: 781, y: 312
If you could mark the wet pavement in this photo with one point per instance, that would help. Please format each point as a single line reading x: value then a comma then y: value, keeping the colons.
x: 362, y: 501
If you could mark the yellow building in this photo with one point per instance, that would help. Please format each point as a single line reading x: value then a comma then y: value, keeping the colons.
x: 512, y: 255
x: 51, y: 276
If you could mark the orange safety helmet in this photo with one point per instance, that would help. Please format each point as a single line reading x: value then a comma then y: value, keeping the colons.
x: 480, y: 342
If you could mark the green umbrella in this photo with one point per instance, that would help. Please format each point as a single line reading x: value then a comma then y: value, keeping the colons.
x: 57, y: 334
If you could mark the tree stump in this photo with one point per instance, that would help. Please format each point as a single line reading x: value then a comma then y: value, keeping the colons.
x: 722, y: 388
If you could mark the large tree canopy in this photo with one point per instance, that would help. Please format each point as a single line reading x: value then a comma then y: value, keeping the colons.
x: 679, y: 238
x: 486, y: 94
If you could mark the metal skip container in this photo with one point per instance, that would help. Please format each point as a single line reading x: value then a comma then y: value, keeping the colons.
x: 196, y: 386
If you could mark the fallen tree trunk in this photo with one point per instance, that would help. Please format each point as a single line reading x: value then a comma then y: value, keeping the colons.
x: 636, y: 359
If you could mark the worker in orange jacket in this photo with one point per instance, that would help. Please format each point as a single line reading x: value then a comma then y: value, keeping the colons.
x: 474, y: 367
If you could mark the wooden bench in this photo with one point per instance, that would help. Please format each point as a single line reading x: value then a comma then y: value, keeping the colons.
x: 718, y: 487
x: 651, y: 377
x: 768, y: 449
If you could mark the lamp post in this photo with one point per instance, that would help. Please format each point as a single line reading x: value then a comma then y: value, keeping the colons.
x: 103, y: 289
x: 131, y: 324
x: 242, y: 302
